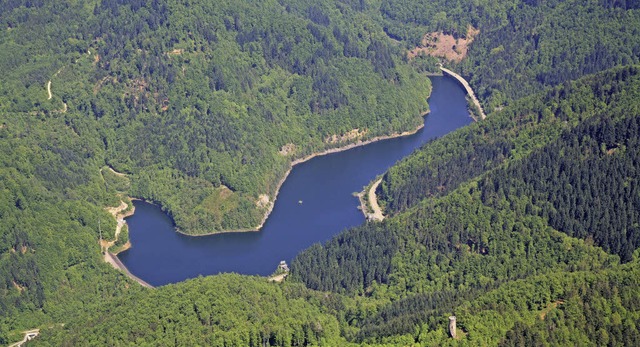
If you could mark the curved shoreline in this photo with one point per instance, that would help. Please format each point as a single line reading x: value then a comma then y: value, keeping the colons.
x: 112, y: 258
x: 117, y: 263
x: 358, y: 143
x: 373, y: 201
x: 369, y: 202
x: 467, y: 87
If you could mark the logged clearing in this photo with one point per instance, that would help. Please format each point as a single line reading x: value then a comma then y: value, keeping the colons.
x: 438, y: 44
x: 287, y: 149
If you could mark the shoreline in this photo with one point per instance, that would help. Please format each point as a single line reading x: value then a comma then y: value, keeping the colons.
x: 375, y: 214
x: 347, y: 147
x: 117, y: 263
x: 368, y: 199
x: 470, y: 92
x: 120, y: 213
x: 113, y: 259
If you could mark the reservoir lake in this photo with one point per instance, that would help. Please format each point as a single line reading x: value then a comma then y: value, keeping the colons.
x: 325, y: 186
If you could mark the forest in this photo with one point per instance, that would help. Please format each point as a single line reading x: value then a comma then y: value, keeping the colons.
x: 489, y: 251
x: 568, y: 206
x: 196, y: 102
x: 525, y: 226
x: 523, y: 46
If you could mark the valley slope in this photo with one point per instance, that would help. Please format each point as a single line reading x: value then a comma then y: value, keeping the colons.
x: 525, y: 225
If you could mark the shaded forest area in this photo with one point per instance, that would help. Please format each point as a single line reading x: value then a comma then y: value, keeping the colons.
x: 510, y: 223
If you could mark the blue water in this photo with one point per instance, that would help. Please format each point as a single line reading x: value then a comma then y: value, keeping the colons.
x: 325, y: 185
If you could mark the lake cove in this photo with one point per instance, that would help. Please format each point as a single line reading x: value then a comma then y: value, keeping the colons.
x: 315, y: 203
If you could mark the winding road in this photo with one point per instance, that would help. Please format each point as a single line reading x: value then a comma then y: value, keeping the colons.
x: 28, y: 336
x: 64, y: 104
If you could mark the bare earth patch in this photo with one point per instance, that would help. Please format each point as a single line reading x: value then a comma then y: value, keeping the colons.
x: 278, y: 278
x: 165, y: 104
x: 119, y: 213
x: 263, y: 201
x: 376, y: 213
x: 49, y: 90
x: 287, y: 149
x: 438, y: 44
x: 347, y: 137
x: 225, y: 192
x: 550, y: 307
x: 17, y: 286
x: 613, y: 150
x: 176, y: 51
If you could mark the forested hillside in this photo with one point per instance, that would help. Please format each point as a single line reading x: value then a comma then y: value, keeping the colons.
x: 511, y: 134
x: 523, y: 45
x: 602, y: 133
x: 540, y: 211
x: 524, y: 226
x: 227, y: 310
x: 488, y: 251
x: 195, y: 102
x: 206, y: 104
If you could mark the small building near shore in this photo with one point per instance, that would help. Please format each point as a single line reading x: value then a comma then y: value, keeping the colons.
x: 283, y: 266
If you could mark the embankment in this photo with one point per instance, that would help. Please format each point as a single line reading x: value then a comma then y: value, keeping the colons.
x: 116, y: 263
x: 467, y: 87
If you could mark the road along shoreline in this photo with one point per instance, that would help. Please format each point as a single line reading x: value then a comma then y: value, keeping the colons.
x: 467, y: 87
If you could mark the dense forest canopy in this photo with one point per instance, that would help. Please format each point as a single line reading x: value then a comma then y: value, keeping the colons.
x: 525, y: 226
x: 540, y: 212
x: 488, y: 251
x: 196, y: 101
x: 523, y: 46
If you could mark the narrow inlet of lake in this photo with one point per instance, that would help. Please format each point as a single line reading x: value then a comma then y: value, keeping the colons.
x: 325, y: 186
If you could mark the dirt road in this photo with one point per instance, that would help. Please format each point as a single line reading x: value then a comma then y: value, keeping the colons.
x: 376, y: 213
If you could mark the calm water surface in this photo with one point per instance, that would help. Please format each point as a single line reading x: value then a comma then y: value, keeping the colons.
x: 325, y: 185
